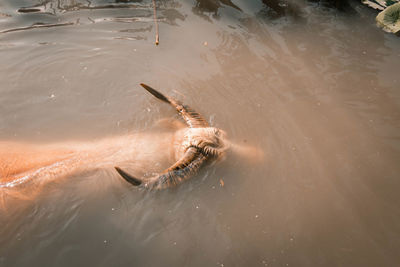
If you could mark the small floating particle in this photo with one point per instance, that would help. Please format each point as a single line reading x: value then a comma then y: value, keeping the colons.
x: 221, y: 182
x: 256, y: 216
x: 52, y: 96
x: 205, y: 43
x: 29, y: 10
x: 5, y: 15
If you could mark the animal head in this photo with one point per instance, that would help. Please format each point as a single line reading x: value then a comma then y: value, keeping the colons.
x: 210, y: 141
x: 200, y: 143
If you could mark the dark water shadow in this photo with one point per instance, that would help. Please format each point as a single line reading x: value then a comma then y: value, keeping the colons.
x: 209, y: 8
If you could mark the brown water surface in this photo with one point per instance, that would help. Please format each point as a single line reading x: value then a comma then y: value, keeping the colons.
x: 317, y: 89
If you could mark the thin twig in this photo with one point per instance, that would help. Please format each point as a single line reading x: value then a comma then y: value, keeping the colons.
x: 37, y: 26
x: 155, y: 20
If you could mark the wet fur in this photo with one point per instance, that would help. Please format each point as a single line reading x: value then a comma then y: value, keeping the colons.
x: 199, y: 144
x: 141, y: 153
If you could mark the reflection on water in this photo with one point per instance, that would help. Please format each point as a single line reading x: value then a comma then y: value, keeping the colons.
x: 203, y: 7
x: 314, y: 87
x: 61, y: 6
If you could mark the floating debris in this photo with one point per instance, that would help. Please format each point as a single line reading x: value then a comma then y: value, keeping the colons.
x: 39, y: 25
x: 157, y: 41
x: 34, y: 9
x: 389, y: 19
x: 5, y: 15
x: 379, y: 4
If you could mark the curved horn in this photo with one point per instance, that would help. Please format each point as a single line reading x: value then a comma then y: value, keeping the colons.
x: 182, y: 170
x: 185, y: 167
x: 129, y: 178
x: 192, y: 118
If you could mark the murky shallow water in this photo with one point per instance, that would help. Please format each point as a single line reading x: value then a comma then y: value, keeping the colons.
x: 317, y: 91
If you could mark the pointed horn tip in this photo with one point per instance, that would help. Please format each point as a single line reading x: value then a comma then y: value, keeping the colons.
x: 155, y: 93
x: 129, y: 178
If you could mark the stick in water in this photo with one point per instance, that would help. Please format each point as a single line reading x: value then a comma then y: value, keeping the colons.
x: 155, y: 20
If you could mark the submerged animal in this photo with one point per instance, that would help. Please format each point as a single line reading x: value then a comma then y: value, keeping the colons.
x: 25, y: 167
x: 199, y: 144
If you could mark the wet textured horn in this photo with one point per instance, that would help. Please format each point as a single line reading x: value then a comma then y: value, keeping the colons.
x: 182, y: 170
x: 192, y: 118
x: 185, y: 167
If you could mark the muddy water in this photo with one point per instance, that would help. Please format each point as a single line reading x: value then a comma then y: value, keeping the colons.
x: 315, y: 88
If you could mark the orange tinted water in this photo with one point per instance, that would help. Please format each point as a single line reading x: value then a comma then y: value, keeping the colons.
x: 316, y: 89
